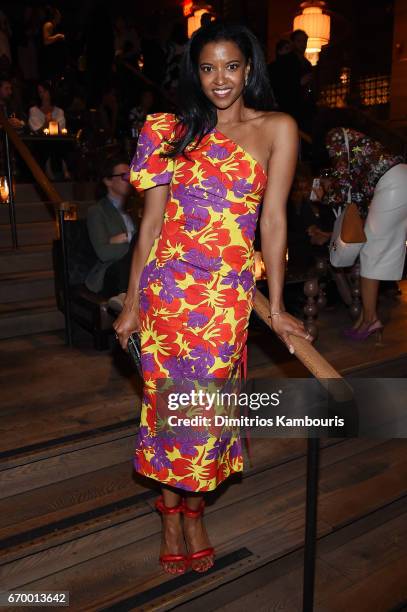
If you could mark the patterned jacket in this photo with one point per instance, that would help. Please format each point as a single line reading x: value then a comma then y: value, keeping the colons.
x: 368, y: 160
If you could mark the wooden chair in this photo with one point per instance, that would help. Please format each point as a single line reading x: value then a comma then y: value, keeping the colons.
x: 85, y: 308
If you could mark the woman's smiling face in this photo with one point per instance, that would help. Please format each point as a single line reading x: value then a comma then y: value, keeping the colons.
x: 222, y: 71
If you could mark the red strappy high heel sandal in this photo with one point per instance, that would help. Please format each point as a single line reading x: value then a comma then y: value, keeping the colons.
x: 205, y: 552
x: 172, y: 558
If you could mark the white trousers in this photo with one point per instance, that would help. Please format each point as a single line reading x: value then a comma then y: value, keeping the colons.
x: 383, y: 254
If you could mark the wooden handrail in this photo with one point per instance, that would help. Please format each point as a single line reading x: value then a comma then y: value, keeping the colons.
x: 38, y: 174
x: 329, y: 378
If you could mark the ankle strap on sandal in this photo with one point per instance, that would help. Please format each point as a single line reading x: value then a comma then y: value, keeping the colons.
x: 161, y: 507
x: 193, y: 513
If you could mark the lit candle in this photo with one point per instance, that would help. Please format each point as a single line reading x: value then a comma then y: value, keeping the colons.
x: 64, y: 131
x: 46, y: 131
x: 4, y: 190
x: 53, y: 128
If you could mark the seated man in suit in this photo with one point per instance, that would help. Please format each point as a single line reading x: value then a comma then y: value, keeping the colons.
x: 112, y: 232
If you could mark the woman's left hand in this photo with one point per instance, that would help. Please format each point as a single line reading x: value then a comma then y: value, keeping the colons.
x: 285, y: 324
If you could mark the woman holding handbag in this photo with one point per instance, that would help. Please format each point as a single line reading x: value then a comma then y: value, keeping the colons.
x: 374, y: 179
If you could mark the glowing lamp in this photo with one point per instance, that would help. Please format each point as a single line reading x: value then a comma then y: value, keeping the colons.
x: 317, y: 25
x: 64, y: 131
x: 53, y: 128
x: 188, y: 7
x: 194, y: 21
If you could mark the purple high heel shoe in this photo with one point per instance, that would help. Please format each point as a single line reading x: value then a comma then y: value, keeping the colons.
x: 361, y: 334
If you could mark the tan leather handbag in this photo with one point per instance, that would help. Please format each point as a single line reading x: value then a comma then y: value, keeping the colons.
x: 352, y: 229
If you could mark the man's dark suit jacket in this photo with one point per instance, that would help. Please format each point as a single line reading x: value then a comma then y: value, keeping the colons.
x: 104, y: 221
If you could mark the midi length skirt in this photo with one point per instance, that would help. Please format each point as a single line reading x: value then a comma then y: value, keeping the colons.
x: 383, y: 254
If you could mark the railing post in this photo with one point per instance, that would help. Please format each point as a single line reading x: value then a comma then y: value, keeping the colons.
x: 310, y: 524
x: 65, y: 270
x: 11, y: 203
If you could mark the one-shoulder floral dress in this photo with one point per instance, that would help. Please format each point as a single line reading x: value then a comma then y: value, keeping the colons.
x: 196, y: 291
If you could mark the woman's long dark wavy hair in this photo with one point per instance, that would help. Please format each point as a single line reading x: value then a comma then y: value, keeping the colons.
x: 196, y: 114
x: 48, y: 87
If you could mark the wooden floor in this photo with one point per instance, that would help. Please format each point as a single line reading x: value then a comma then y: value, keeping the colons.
x: 75, y: 517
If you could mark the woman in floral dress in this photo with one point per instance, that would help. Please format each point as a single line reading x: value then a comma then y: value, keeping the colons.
x: 377, y: 179
x: 205, y: 172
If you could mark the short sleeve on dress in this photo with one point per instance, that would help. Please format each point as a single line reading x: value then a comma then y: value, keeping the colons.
x: 148, y: 168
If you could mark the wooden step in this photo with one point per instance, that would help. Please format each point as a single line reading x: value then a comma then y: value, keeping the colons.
x: 69, y: 191
x: 41, y: 232
x: 30, y: 192
x: 59, y: 459
x: 346, y: 560
x: 82, y: 450
x: 12, y: 531
x: 71, y: 510
x: 91, y: 390
x: 87, y: 406
x: 64, y: 466
x: 107, y: 494
x: 117, y: 565
x: 21, y: 286
x: 15, y: 307
x: 40, y: 452
x: 30, y: 212
x: 375, y: 571
x: 31, y: 317
x: 254, y: 537
x: 26, y: 259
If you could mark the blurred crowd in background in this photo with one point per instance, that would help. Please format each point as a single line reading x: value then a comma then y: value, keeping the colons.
x: 98, y: 80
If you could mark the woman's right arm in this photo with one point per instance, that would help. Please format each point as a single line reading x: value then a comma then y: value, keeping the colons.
x: 155, y: 200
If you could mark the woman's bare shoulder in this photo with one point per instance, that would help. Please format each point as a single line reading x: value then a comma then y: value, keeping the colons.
x: 280, y: 130
x: 277, y: 123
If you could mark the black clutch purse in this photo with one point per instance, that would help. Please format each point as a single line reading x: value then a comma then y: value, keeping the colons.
x: 134, y: 348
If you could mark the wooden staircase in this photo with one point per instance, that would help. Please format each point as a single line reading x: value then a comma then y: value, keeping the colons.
x: 75, y: 518
x: 95, y: 533
x: 27, y: 291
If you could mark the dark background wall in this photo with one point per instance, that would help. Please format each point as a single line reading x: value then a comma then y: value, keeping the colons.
x: 361, y: 35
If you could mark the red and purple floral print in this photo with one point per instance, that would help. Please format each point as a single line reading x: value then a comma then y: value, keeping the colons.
x: 196, y: 292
